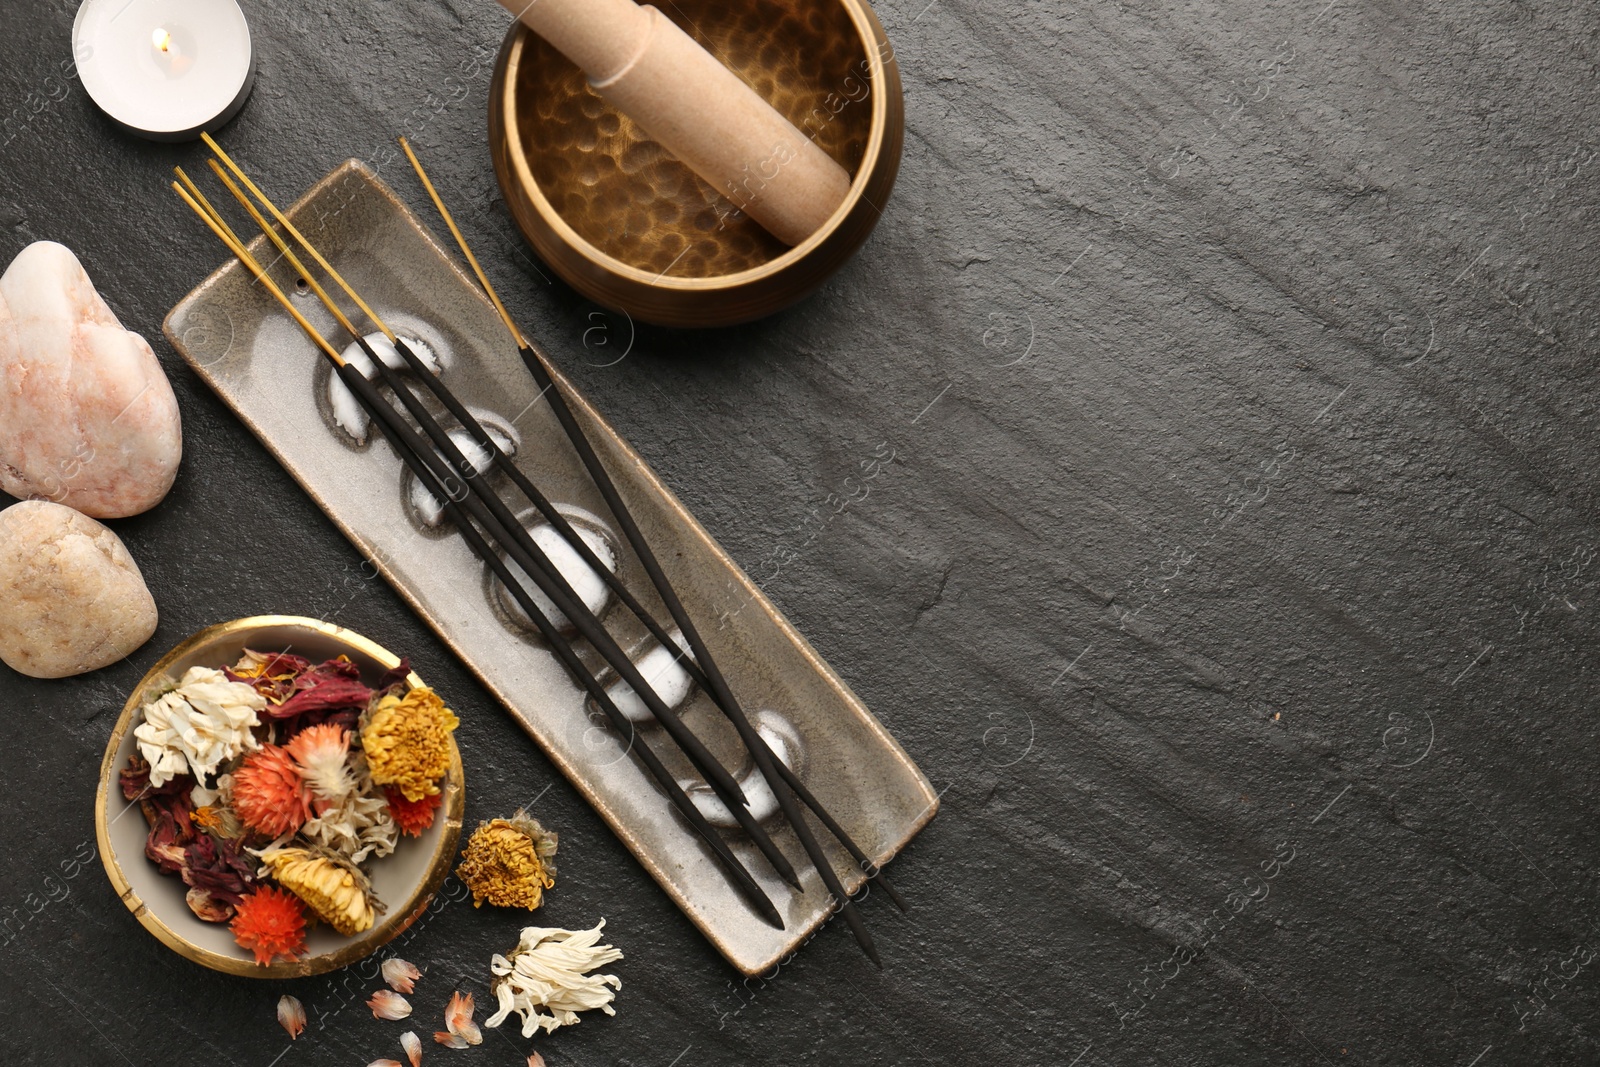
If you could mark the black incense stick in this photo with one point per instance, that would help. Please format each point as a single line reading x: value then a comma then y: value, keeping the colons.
x: 506, y: 465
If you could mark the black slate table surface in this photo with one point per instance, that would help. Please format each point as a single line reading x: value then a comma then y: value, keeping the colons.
x: 1234, y: 580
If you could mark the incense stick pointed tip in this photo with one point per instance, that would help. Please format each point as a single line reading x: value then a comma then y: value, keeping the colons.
x: 767, y: 911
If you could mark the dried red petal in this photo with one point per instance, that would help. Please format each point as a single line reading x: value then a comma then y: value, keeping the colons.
x: 330, y: 686
x: 222, y: 870
x: 275, y: 677
x: 171, y: 830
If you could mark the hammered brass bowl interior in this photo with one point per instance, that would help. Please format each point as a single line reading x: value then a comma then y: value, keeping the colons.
x: 632, y: 228
x: 405, y: 881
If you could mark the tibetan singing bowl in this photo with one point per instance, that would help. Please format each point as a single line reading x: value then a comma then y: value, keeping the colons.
x: 406, y: 881
x: 631, y: 228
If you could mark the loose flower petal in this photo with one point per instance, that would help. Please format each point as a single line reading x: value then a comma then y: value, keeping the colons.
x: 535, y: 1060
x: 387, y: 1004
x: 450, y: 1040
x: 413, y: 1046
x: 458, y: 1018
x: 291, y: 1016
x: 400, y: 975
x: 385, y: 1063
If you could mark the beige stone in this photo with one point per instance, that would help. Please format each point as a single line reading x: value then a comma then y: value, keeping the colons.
x: 71, y: 598
x: 87, y: 416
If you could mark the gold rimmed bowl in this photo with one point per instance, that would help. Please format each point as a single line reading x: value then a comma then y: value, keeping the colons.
x: 633, y: 229
x: 405, y: 881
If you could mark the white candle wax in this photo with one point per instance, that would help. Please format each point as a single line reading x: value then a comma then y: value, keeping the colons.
x: 165, y: 69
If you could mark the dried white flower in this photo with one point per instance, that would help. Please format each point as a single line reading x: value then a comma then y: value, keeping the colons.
x: 200, y: 724
x: 549, y: 969
x: 358, y: 824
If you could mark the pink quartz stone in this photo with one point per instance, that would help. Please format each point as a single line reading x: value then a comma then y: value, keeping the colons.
x: 87, y: 417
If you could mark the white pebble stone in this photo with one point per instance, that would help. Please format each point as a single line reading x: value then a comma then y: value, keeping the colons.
x: 87, y: 416
x: 71, y: 598
x: 347, y: 410
x: 589, y: 586
x: 663, y: 668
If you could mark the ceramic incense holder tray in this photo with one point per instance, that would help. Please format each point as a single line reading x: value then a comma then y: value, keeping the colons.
x: 255, y: 357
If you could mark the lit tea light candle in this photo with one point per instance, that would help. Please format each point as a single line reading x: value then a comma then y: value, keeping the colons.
x: 165, y: 69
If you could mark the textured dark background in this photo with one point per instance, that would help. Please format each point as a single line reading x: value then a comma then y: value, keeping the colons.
x: 1236, y: 361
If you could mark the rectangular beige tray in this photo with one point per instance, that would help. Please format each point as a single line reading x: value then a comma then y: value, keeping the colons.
x: 243, y: 344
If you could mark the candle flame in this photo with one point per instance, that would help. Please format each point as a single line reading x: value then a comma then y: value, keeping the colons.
x: 162, y: 40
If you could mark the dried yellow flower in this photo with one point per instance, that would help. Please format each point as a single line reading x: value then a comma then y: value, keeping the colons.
x: 407, y: 742
x: 509, y: 862
x: 332, y: 887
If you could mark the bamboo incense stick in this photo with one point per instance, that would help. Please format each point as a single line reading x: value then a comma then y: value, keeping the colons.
x: 779, y: 782
x: 411, y: 450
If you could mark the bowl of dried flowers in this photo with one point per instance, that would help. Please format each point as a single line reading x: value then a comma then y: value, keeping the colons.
x: 281, y: 797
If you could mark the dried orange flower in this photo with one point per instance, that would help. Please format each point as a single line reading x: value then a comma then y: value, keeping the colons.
x: 509, y: 862
x: 332, y: 887
x: 269, y: 795
x: 320, y: 753
x: 407, y: 741
x: 413, y: 816
x: 270, y: 923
